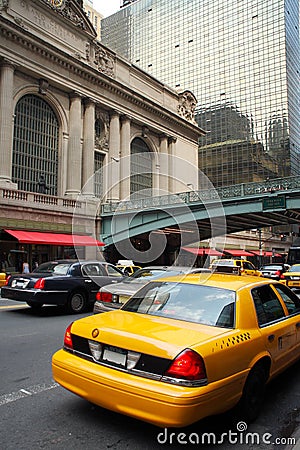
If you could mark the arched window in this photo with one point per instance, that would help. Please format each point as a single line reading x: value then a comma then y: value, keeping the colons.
x: 35, y: 146
x: 140, y: 170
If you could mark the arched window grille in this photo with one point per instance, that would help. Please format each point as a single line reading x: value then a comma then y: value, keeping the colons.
x: 98, y: 176
x: 140, y: 170
x: 35, y: 145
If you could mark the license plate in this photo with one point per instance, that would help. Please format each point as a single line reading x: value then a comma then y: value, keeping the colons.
x: 115, y: 356
x: 19, y: 284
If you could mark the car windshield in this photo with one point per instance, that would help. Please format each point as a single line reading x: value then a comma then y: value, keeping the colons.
x: 182, y: 301
x: 52, y: 267
x: 223, y: 262
x: 295, y: 268
x: 142, y: 276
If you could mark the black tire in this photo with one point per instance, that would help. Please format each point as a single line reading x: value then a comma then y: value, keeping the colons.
x: 77, y: 302
x: 253, y: 394
x: 35, y: 306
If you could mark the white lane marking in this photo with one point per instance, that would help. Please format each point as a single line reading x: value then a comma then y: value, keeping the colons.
x: 25, y: 392
x: 22, y: 393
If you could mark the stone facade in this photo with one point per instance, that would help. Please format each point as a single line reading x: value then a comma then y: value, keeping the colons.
x: 49, y: 49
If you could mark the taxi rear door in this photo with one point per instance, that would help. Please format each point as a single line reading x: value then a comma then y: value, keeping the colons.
x: 277, y: 329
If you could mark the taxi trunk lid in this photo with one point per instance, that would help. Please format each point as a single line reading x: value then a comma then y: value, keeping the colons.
x: 157, y: 336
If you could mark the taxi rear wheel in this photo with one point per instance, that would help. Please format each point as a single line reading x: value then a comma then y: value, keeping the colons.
x: 253, y: 394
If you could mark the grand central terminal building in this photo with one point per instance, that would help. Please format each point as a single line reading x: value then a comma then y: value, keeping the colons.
x: 72, y: 115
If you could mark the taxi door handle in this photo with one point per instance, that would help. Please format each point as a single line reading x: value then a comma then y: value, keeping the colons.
x: 271, y: 337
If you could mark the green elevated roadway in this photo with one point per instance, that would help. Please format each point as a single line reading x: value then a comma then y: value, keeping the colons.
x: 207, y: 212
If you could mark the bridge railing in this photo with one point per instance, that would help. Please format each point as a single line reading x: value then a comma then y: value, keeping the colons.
x: 206, y: 195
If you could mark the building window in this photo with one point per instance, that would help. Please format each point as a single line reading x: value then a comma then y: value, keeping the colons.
x: 140, y: 170
x: 98, y: 178
x: 35, y: 146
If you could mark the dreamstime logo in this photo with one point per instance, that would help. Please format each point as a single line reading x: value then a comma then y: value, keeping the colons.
x: 240, y: 436
x: 164, y: 217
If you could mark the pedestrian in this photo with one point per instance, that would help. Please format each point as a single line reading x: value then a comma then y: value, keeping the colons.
x: 42, y: 185
x: 25, y: 268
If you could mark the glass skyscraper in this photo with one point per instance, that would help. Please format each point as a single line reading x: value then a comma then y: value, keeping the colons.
x: 241, y: 60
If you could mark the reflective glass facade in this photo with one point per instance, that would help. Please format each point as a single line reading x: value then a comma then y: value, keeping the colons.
x: 241, y: 60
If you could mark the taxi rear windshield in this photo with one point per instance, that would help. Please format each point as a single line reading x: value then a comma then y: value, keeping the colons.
x: 182, y: 301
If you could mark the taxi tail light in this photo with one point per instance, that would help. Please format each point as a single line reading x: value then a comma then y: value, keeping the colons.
x: 7, y: 280
x: 39, y: 284
x: 68, y: 337
x: 188, y: 365
x: 105, y: 297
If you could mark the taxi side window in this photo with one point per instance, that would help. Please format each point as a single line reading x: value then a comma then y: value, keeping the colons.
x: 267, y: 305
x: 292, y: 302
x: 248, y: 266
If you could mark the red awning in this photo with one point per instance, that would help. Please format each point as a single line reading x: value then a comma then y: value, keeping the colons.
x: 265, y: 253
x: 202, y: 251
x: 238, y: 252
x: 37, y: 237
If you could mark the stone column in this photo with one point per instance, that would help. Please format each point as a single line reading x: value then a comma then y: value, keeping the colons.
x: 6, y: 124
x: 172, y: 164
x: 164, y: 165
x: 113, y: 187
x: 74, y: 147
x: 88, y: 158
x: 125, y: 158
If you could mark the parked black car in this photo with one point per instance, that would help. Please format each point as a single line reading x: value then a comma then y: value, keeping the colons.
x: 274, y: 271
x: 69, y: 283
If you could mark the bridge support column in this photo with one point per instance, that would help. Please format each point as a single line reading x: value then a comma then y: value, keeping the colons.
x: 125, y: 158
x: 113, y: 191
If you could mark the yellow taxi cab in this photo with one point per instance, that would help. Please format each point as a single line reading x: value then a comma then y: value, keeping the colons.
x: 127, y: 266
x: 2, y: 279
x: 246, y: 267
x: 291, y: 278
x: 183, y: 348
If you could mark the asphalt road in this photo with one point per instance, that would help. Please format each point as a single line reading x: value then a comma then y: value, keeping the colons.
x: 36, y: 413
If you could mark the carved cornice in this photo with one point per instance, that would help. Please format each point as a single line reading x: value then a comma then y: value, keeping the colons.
x: 71, y: 11
x: 186, y: 106
x: 3, y: 5
x: 90, y: 73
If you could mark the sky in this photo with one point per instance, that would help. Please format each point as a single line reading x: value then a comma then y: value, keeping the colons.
x: 106, y: 7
